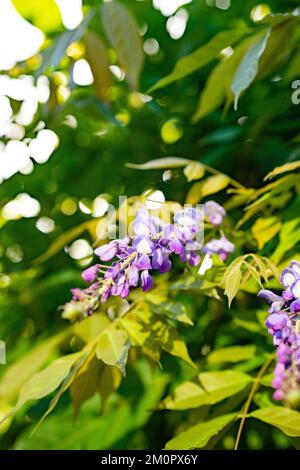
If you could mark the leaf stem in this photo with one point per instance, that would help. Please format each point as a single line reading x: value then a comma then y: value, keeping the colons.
x: 254, y: 388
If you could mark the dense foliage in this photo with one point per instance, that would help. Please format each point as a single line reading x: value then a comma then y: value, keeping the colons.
x: 164, y: 338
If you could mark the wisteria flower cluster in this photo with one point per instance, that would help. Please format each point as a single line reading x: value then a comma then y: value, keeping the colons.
x: 133, y: 259
x: 283, y: 324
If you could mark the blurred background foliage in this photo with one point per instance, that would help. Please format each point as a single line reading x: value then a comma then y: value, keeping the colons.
x: 75, y: 108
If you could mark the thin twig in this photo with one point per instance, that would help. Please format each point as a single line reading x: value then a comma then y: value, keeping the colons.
x: 254, y: 388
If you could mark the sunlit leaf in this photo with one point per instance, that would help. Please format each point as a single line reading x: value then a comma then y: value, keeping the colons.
x: 283, y: 169
x: 212, y: 388
x: 112, y: 348
x: 22, y: 370
x: 97, y: 57
x: 32, y: 11
x: 211, y: 185
x: 265, y: 229
x: 198, y: 436
x: 232, y: 278
x: 201, y: 56
x: 231, y: 354
x: 194, y: 171
x: 248, y: 67
x: 123, y: 34
x: 288, y: 421
x: 174, y: 310
x: 217, y: 86
x: 93, y: 377
x: 160, y: 163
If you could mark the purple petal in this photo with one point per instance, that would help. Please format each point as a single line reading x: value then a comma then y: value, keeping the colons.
x: 176, y: 247
x: 166, y: 265
x: 295, y: 288
x: 295, y: 306
x: 287, y: 277
x: 277, y: 321
x: 90, y: 274
x: 147, y: 281
x: 106, y: 252
x: 133, y: 276
x: 269, y: 296
x: 144, y: 262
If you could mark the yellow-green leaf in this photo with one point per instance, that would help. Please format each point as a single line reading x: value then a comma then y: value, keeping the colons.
x: 93, y: 377
x: 212, y: 388
x: 288, y: 421
x: 21, y: 371
x: 194, y: 171
x: 265, y: 229
x: 96, y: 54
x: 201, y: 56
x: 122, y: 31
x: 211, y: 185
x: 198, y: 436
x: 278, y: 170
x: 217, y: 86
x: 232, y: 279
x: 47, y: 18
x: 90, y: 327
x: 173, y: 310
x: 112, y: 348
x: 231, y: 354
x: 160, y: 163
x: 247, y: 70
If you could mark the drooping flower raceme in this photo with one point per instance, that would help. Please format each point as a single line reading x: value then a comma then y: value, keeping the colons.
x: 283, y: 324
x: 133, y: 259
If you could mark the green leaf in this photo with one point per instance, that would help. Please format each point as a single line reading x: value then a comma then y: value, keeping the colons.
x: 194, y: 171
x: 46, y: 381
x: 93, y: 377
x: 201, y: 56
x: 90, y: 327
x: 217, y: 86
x: 171, y: 342
x: 53, y: 54
x: 232, y: 280
x: 198, y: 436
x: 278, y: 170
x: 248, y: 67
x: 112, y: 348
x: 174, y: 310
x: 33, y: 12
x: 289, y: 237
x: 211, y: 185
x: 279, y: 46
x: 231, y: 354
x: 21, y: 371
x: 265, y: 229
x: 123, y: 34
x: 288, y: 421
x: 160, y: 163
x: 97, y: 57
x: 212, y: 388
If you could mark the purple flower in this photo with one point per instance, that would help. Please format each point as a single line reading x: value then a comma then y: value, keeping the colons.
x: 188, y: 221
x: 151, y: 248
x: 214, y: 212
x: 283, y: 326
x: 295, y: 288
x: 90, y: 274
x: 107, y: 252
x: 277, y: 321
x: 295, y: 306
x: 147, y: 281
x: 269, y: 296
x: 222, y: 247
